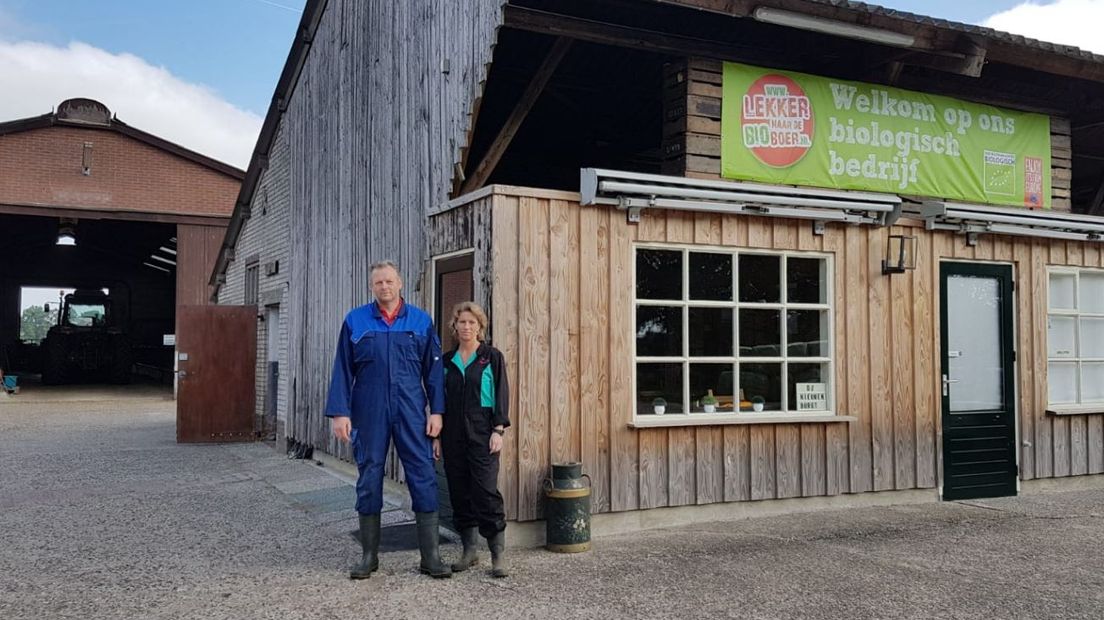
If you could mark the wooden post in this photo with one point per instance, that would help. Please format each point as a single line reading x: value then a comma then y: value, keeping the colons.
x: 517, y: 117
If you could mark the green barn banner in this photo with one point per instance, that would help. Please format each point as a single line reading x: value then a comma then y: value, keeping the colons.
x: 797, y: 129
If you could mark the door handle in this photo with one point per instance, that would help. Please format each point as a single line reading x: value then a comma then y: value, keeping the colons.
x: 947, y: 381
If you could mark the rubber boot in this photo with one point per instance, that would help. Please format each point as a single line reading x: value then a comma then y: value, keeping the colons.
x: 369, y: 545
x: 428, y: 538
x: 470, y: 538
x: 497, y: 544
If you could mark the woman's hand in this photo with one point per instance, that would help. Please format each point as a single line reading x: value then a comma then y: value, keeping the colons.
x: 496, y: 443
x: 436, y: 449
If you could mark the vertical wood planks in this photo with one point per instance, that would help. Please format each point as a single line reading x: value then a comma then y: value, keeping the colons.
x: 904, y: 360
x: 533, y: 347
x: 881, y: 378
x: 854, y: 280
x: 504, y: 316
x: 925, y: 351
x: 708, y: 441
x: 594, y: 352
x: 1028, y: 363
x: 560, y: 313
x: 1044, y: 448
x: 837, y: 436
x: 624, y: 451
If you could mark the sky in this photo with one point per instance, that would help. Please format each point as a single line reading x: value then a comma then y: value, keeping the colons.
x: 201, y: 72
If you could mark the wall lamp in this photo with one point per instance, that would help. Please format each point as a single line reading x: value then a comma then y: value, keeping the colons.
x: 823, y: 25
x: 900, y: 255
x: 67, y: 231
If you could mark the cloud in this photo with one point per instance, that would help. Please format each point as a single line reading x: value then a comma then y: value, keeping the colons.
x: 35, y: 77
x: 1069, y: 22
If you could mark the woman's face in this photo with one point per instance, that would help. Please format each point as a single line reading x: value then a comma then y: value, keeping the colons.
x: 467, y: 327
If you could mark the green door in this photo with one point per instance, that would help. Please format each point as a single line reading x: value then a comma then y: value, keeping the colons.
x: 979, y: 413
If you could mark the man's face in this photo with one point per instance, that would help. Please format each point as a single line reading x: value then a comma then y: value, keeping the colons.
x: 386, y: 284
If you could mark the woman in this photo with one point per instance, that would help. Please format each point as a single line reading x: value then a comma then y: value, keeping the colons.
x: 477, y: 402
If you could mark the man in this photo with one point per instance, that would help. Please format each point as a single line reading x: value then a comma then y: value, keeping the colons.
x: 388, y: 358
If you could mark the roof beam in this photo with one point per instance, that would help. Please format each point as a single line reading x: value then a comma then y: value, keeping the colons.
x: 517, y: 117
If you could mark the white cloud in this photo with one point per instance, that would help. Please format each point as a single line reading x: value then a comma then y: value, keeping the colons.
x: 35, y: 77
x: 1069, y: 22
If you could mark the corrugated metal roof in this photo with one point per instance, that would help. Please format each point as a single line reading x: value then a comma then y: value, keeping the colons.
x: 1015, y: 39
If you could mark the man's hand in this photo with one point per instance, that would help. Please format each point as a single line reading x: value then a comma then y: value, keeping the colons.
x: 342, y: 427
x: 433, y: 425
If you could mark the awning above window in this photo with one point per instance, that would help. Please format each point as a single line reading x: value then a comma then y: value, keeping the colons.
x: 978, y: 219
x: 635, y: 192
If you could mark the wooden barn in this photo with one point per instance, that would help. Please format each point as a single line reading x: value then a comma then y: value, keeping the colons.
x: 735, y: 252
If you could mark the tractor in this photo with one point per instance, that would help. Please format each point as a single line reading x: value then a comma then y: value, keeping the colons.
x: 88, y: 343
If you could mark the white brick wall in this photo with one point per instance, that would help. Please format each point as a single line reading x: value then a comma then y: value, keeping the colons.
x: 266, y: 236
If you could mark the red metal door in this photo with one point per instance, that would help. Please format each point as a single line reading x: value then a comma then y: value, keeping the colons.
x: 216, y: 350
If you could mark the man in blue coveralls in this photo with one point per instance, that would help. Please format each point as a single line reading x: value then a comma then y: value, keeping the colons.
x: 388, y: 360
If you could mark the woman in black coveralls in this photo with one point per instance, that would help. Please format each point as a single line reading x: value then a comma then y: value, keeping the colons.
x: 477, y: 402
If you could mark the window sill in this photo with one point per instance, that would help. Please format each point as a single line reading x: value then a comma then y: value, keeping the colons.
x: 1075, y: 409
x: 700, y: 419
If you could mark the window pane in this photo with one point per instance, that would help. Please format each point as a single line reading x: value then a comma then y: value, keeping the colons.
x: 711, y: 276
x: 814, y: 383
x: 805, y: 281
x: 1062, y: 382
x: 1092, y: 382
x: 760, y: 333
x: 1092, y: 337
x: 658, y: 381
x: 759, y: 279
x: 658, y: 274
x: 761, y: 381
x: 1060, y: 336
x: 716, y: 377
x: 807, y: 333
x: 658, y: 331
x: 1092, y: 292
x: 1062, y: 291
x: 711, y: 332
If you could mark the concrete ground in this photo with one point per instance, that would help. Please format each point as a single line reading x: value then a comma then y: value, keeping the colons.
x: 103, y: 515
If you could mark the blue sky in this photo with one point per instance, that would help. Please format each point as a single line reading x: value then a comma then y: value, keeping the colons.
x: 201, y: 72
x: 236, y: 47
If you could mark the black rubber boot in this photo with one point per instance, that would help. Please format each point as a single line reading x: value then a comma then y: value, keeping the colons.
x: 369, y: 545
x: 497, y: 543
x: 428, y: 538
x: 470, y: 538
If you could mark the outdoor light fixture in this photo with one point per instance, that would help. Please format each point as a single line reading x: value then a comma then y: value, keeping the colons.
x: 67, y: 231
x: 813, y: 23
x: 86, y: 159
x: 163, y: 260
x: 900, y: 254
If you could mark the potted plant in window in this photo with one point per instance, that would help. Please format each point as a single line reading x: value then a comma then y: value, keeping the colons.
x: 757, y: 403
x: 659, y: 406
x: 709, y: 402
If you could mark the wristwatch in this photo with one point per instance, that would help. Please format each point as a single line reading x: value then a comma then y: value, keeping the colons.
x: 500, y: 431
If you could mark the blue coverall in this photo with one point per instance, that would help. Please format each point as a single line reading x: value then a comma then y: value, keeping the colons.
x: 381, y: 378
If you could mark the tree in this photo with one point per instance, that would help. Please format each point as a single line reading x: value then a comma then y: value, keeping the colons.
x: 35, y: 323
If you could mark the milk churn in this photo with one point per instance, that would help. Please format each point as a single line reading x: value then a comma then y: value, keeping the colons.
x: 567, y: 509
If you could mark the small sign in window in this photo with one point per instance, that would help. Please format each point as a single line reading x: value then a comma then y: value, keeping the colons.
x: 811, y: 397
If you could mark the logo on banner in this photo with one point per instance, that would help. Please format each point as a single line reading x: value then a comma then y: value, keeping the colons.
x: 777, y: 121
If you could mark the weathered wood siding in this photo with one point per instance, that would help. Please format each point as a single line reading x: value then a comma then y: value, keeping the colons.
x: 561, y: 312
x: 374, y: 127
x: 692, y: 128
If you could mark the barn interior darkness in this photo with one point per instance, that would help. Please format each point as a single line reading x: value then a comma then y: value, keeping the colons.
x: 603, y: 106
x: 107, y: 254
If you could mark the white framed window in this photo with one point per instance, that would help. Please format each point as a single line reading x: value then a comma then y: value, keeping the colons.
x: 1075, y: 336
x: 752, y: 327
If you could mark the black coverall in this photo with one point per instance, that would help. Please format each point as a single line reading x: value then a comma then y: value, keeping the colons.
x: 477, y: 399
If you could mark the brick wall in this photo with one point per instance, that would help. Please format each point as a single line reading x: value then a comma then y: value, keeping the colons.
x: 265, y: 236
x: 43, y: 167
